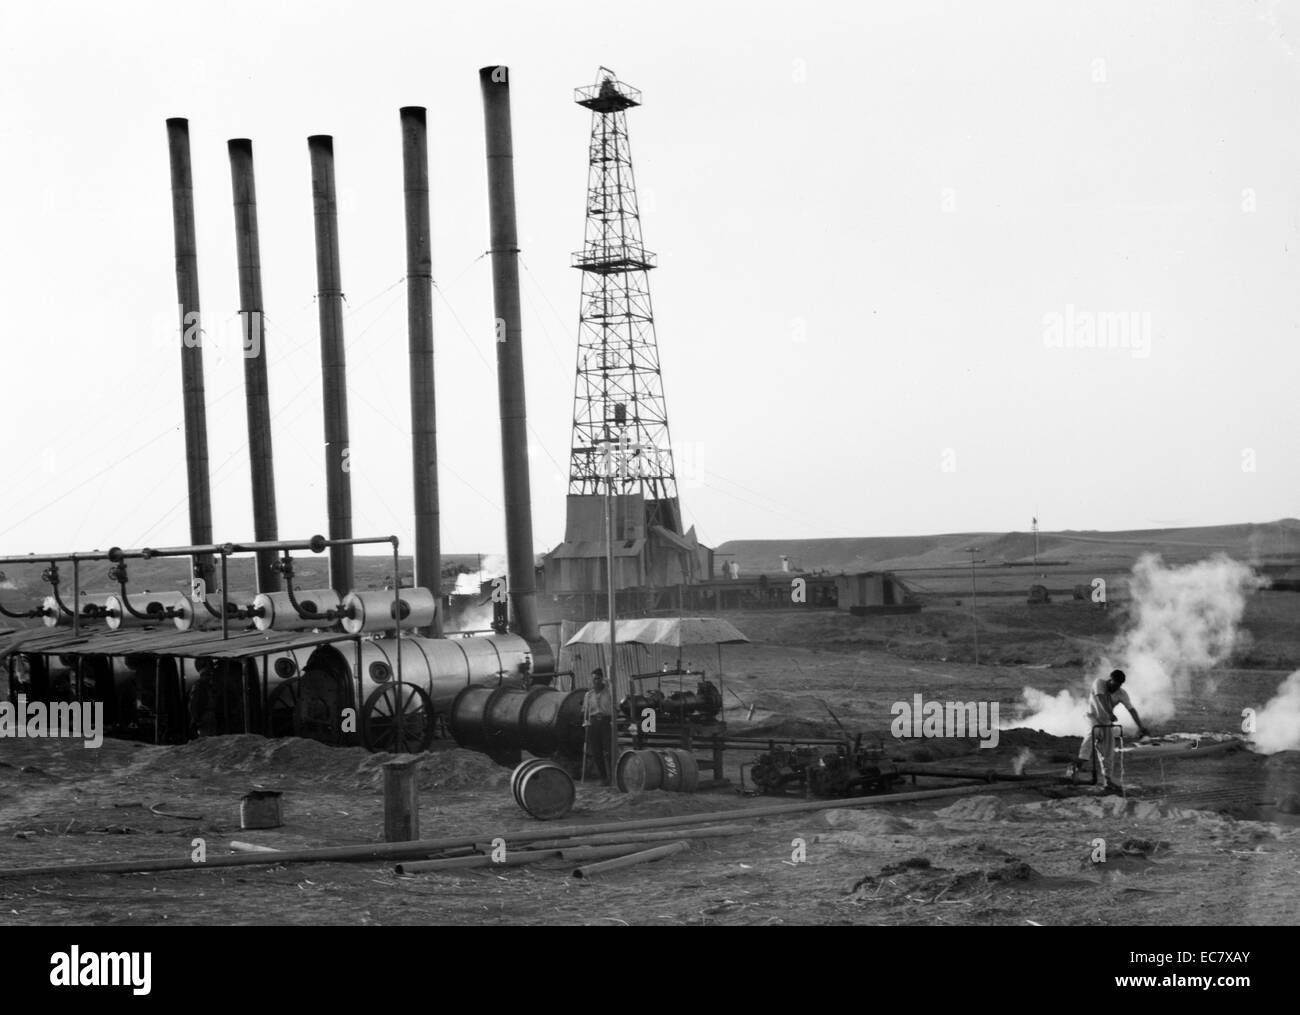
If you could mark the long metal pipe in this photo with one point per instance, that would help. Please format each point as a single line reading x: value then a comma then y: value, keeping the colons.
x: 419, y: 323
x: 256, y: 391
x: 338, y: 483
x: 495, y: 83
x: 187, y: 298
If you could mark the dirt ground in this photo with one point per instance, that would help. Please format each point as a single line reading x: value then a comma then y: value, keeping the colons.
x: 1211, y: 839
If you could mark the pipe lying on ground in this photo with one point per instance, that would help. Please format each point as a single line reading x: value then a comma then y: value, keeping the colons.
x: 604, y: 852
x: 987, y: 775
x: 631, y: 860
x: 517, y: 859
x: 672, y: 834
x: 417, y: 850
x: 520, y: 858
x: 1168, y: 752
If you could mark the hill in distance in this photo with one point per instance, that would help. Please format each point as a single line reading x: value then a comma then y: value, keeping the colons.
x: 1277, y: 541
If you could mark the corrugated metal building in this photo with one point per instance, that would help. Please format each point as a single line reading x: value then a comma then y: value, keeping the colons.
x: 644, y: 555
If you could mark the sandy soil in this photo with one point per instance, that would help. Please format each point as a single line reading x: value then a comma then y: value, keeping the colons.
x: 1212, y: 840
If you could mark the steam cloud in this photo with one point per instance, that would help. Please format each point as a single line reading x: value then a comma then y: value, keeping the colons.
x: 472, y: 616
x: 1182, y: 621
x: 1277, y: 726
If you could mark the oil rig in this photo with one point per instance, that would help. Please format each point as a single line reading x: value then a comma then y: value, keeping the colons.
x: 621, y: 446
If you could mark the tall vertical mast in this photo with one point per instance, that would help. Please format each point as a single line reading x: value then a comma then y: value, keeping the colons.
x: 620, y: 420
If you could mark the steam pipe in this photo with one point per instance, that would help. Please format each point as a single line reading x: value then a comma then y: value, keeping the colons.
x: 495, y: 85
x: 338, y: 484
x: 187, y: 296
x: 419, y: 322
x: 256, y: 390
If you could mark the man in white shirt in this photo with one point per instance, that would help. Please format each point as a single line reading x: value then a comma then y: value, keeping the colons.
x: 597, y: 715
x: 1106, y: 693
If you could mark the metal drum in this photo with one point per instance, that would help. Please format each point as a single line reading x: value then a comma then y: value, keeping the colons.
x: 544, y: 789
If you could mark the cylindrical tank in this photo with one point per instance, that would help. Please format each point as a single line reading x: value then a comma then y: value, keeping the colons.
x: 54, y: 617
x: 144, y: 602
x: 373, y: 611
x: 278, y: 614
x: 196, y: 617
x: 502, y: 722
x: 444, y: 667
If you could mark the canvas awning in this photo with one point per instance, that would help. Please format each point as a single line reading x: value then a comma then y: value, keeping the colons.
x: 671, y: 631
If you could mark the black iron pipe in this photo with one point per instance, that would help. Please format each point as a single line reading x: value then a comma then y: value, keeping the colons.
x: 256, y: 390
x: 419, y: 325
x: 187, y: 297
x: 338, y: 483
x: 521, y: 580
x: 987, y: 775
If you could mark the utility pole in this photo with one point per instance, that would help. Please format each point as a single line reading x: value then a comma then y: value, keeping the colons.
x: 972, y: 550
x: 616, y: 468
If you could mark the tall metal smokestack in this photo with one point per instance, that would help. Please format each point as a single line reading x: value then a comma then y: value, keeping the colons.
x: 257, y: 394
x: 338, y: 484
x: 495, y: 83
x: 419, y: 322
x: 187, y: 296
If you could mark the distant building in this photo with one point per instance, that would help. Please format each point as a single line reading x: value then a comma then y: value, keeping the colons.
x: 874, y: 592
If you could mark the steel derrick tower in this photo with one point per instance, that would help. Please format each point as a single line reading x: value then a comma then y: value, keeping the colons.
x: 620, y: 421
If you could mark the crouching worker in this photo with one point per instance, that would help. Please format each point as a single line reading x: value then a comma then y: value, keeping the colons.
x: 1106, y: 693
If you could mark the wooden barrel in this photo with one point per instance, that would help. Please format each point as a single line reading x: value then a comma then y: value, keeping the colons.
x: 670, y: 769
x: 681, y: 773
x: 638, y: 771
x: 520, y: 771
x: 545, y: 791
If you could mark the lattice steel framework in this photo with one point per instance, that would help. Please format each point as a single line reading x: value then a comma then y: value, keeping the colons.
x: 620, y: 421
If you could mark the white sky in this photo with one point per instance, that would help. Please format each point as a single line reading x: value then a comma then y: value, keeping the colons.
x: 863, y: 213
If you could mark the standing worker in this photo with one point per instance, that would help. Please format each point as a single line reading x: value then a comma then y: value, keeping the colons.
x: 597, y: 714
x: 1106, y: 693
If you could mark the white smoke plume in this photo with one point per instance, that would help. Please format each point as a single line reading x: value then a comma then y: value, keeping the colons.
x: 467, y: 613
x: 492, y: 566
x: 1277, y: 726
x: 1182, y: 621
